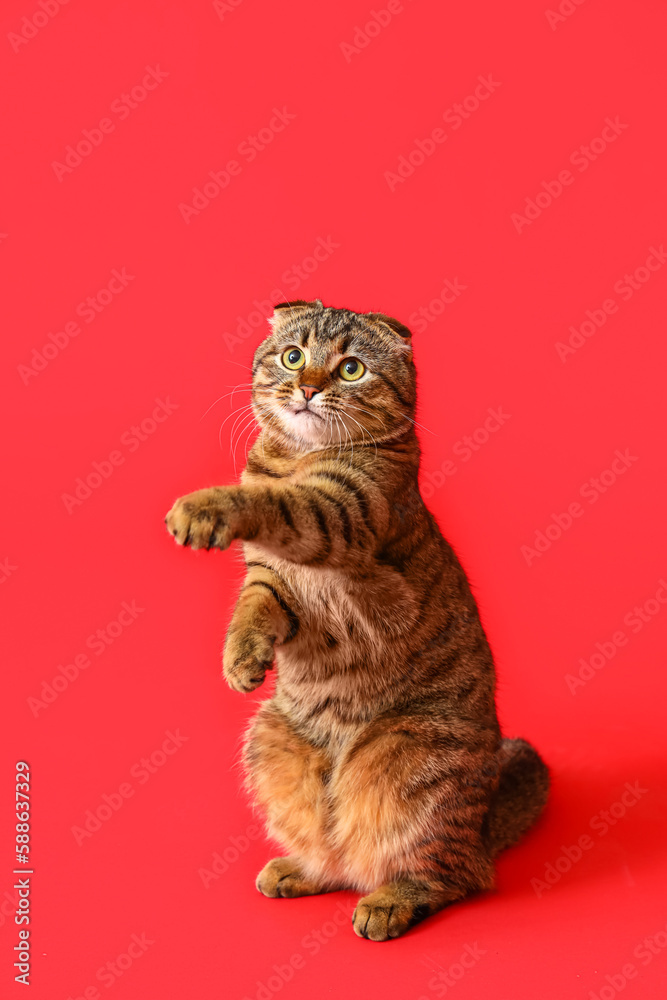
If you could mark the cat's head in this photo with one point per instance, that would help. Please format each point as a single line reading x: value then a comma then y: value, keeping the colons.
x: 327, y: 376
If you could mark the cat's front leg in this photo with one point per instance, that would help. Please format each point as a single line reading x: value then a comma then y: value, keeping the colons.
x: 319, y: 521
x: 265, y: 615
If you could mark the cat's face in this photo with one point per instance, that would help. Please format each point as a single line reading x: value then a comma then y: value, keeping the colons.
x: 330, y: 376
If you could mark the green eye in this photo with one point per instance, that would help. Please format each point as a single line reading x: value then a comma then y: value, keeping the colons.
x: 293, y: 358
x: 351, y: 369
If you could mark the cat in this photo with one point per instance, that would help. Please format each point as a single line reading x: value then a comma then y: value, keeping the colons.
x: 378, y: 762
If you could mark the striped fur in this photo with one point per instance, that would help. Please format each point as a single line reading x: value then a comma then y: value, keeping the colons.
x: 378, y: 762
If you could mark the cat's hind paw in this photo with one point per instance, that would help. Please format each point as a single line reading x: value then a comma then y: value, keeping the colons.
x: 386, y: 913
x: 282, y: 878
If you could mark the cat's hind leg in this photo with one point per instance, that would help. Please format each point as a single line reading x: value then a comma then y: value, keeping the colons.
x: 408, y: 821
x: 287, y: 776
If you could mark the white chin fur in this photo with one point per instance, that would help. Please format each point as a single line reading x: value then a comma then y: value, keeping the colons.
x: 306, y: 426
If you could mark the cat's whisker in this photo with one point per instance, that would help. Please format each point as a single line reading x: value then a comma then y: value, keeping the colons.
x: 240, y: 420
x: 364, y: 432
x: 224, y: 396
x: 332, y: 417
x: 417, y: 424
x: 239, y: 365
x: 362, y: 409
x: 241, y: 417
x: 335, y: 431
x: 327, y: 426
x: 340, y: 436
x: 248, y: 446
x: 235, y: 413
x: 237, y: 388
x: 348, y: 435
x: 234, y: 437
x: 272, y: 421
x: 245, y: 429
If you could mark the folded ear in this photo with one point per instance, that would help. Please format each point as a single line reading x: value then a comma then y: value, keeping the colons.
x: 286, y: 310
x: 398, y: 328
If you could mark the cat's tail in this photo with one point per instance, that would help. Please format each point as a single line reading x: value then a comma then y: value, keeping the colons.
x: 521, y: 795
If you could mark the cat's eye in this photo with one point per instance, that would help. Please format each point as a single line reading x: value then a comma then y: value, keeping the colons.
x: 350, y: 369
x: 294, y: 358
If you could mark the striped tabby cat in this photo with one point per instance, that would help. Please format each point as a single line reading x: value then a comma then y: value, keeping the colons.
x: 378, y: 762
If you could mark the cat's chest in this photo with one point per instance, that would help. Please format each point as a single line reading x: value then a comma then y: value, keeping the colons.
x: 339, y: 609
x: 328, y: 600
x: 319, y: 591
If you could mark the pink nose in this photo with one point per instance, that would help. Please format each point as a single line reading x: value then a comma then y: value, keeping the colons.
x: 309, y: 391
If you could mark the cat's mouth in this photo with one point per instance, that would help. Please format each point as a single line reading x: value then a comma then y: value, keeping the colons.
x: 305, y: 412
x: 304, y: 422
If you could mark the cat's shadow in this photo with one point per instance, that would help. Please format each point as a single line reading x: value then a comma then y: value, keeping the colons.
x: 551, y: 858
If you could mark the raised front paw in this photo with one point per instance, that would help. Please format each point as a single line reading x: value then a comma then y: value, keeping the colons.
x: 205, y: 519
x: 247, y: 657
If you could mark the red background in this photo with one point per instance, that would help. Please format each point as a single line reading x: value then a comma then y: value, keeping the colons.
x: 494, y: 346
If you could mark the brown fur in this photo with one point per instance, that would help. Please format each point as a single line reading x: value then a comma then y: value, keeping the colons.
x: 379, y: 762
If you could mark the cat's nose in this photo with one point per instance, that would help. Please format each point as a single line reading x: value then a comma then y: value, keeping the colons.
x: 309, y: 391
